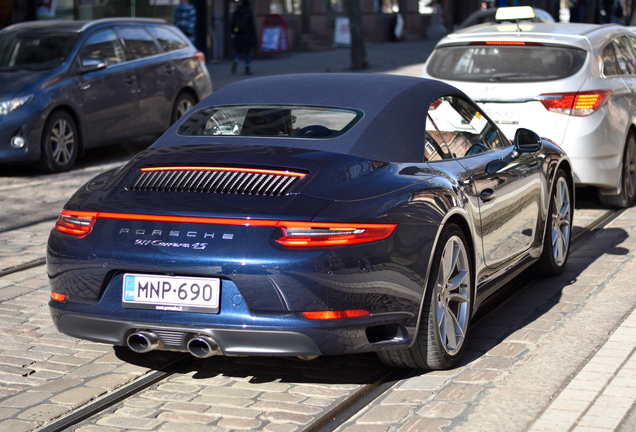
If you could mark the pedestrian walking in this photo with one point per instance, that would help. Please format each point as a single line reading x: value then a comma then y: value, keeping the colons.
x: 185, y: 18
x: 244, y: 34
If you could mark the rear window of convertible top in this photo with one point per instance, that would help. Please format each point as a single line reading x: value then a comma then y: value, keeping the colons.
x: 278, y: 121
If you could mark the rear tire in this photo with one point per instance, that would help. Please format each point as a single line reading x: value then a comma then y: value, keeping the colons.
x: 558, y: 230
x: 447, y: 309
x: 628, y: 178
x: 60, y: 143
x: 182, y: 105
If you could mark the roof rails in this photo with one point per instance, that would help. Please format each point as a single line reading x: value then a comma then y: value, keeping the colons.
x: 124, y: 20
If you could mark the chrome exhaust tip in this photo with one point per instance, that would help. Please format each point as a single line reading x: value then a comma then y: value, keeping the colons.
x: 142, y: 341
x: 203, y: 347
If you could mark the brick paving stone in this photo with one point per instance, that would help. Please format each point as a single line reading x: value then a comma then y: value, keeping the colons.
x: 239, y: 423
x: 281, y: 397
x: 230, y: 392
x: 271, y: 406
x: 441, y: 409
x: 223, y: 402
x: 185, y: 406
x: 424, y: 425
x: 424, y: 382
x: 91, y: 370
x: 367, y: 428
x: 317, y: 391
x: 25, y: 399
x: 187, y: 417
x: 496, y: 363
x: 192, y: 427
x: 167, y: 396
x: 43, y: 412
x: 477, y: 376
x: 110, y: 381
x: 178, y: 388
x: 129, y: 423
x: 7, y: 412
x: 58, y: 385
x: 95, y: 428
x: 321, y: 402
x: 136, y: 412
x: 52, y: 367
x: 277, y: 427
x: 222, y: 411
x: 384, y: 414
x: 507, y: 349
x: 268, y: 387
x: 17, y: 426
x: 77, y: 396
x: 284, y: 417
x: 408, y: 397
x: 459, y: 392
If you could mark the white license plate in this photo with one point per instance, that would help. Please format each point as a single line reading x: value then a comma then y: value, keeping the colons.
x: 171, y: 293
x: 502, y: 113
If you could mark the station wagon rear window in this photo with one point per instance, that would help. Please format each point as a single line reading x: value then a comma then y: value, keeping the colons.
x: 505, y: 63
x: 292, y: 121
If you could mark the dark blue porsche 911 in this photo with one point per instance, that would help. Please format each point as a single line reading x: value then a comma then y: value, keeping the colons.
x: 312, y: 215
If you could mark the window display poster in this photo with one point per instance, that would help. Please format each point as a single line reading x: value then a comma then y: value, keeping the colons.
x: 342, y: 35
x: 46, y: 8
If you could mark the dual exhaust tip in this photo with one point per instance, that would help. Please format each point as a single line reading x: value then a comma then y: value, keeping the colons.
x: 199, y: 346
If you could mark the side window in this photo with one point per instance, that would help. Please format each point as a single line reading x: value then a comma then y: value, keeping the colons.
x: 624, y: 56
x: 168, y: 40
x: 609, y: 61
x: 462, y: 128
x: 103, y: 45
x: 138, y: 43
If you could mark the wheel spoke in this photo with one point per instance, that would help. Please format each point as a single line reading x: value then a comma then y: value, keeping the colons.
x: 456, y: 280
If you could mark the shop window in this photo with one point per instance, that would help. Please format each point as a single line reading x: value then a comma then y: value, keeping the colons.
x: 335, y: 6
x: 285, y: 7
x: 387, y: 6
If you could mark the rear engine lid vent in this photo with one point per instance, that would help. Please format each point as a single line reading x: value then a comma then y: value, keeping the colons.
x: 218, y: 180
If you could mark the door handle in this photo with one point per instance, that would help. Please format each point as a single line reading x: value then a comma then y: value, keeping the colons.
x: 488, y: 195
x: 169, y: 69
x: 129, y: 79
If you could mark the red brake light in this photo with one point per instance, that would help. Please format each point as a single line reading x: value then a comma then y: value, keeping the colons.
x: 507, y: 43
x: 329, y: 315
x: 76, y: 223
x: 200, y: 57
x: 578, y: 104
x: 313, y: 234
x: 58, y: 297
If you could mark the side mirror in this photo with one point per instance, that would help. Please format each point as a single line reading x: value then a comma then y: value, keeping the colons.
x: 527, y: 141
x: 92, y: 65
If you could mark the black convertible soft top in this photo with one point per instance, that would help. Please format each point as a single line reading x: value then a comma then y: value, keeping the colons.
x: 394, y: 111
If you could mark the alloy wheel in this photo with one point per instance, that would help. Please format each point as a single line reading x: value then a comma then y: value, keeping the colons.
x: 62, y: 142
x: 630, y: 168
x: 453, y: 295
x: 561, y: 221
x: 183, y: 107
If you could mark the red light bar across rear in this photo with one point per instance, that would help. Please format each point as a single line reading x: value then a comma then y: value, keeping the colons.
x: 507, y: 43
x: 295, y: 234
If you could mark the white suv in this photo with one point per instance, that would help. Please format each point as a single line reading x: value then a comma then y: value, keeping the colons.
x: 572, y: 83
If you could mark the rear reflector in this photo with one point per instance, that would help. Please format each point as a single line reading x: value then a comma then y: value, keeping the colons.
x: 58, y: 297
x: 295, y: 234
x: 76, y: 223
x: 330, y: 315
x: 310, y: 234
x: 579, y: 104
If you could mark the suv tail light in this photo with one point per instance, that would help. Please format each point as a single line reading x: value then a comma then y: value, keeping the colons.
x: 329, y: 315
x: 579, y: 104
x: 76, y: 223
x: 200, y: 57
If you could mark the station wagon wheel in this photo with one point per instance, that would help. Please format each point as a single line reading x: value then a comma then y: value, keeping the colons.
x: 628, y: 178
x: 556, y: 244
x: 59, y: 143
x: 447, y: 309
x: 182, y: 105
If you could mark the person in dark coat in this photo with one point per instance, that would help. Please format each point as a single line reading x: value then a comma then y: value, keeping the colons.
x: 244, y: 34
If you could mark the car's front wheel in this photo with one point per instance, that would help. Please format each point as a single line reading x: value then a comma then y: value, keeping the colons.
x: 628, y: 178
x: 59, y: 143
x: 447, y: 310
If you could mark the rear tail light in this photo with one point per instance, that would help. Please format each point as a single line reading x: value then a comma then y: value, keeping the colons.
x: 58, y: 297
x: 76, y: 223
x: 200, y: 57
x: 579, y: 104
x: 506, y: 43
x: 330, y: 315
x: 309, y: 234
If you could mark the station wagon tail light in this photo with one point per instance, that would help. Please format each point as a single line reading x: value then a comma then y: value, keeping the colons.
x: 329, y: 315
x: 311, y: 234
x: 199, y: 56
x: 579, y: 104
x: 76, y: 223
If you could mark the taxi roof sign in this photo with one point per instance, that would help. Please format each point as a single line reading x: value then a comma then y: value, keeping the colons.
x: 514, y: 13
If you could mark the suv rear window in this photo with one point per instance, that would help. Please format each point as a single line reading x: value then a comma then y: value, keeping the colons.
x: 481, y: 63
x: 270, y: 121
